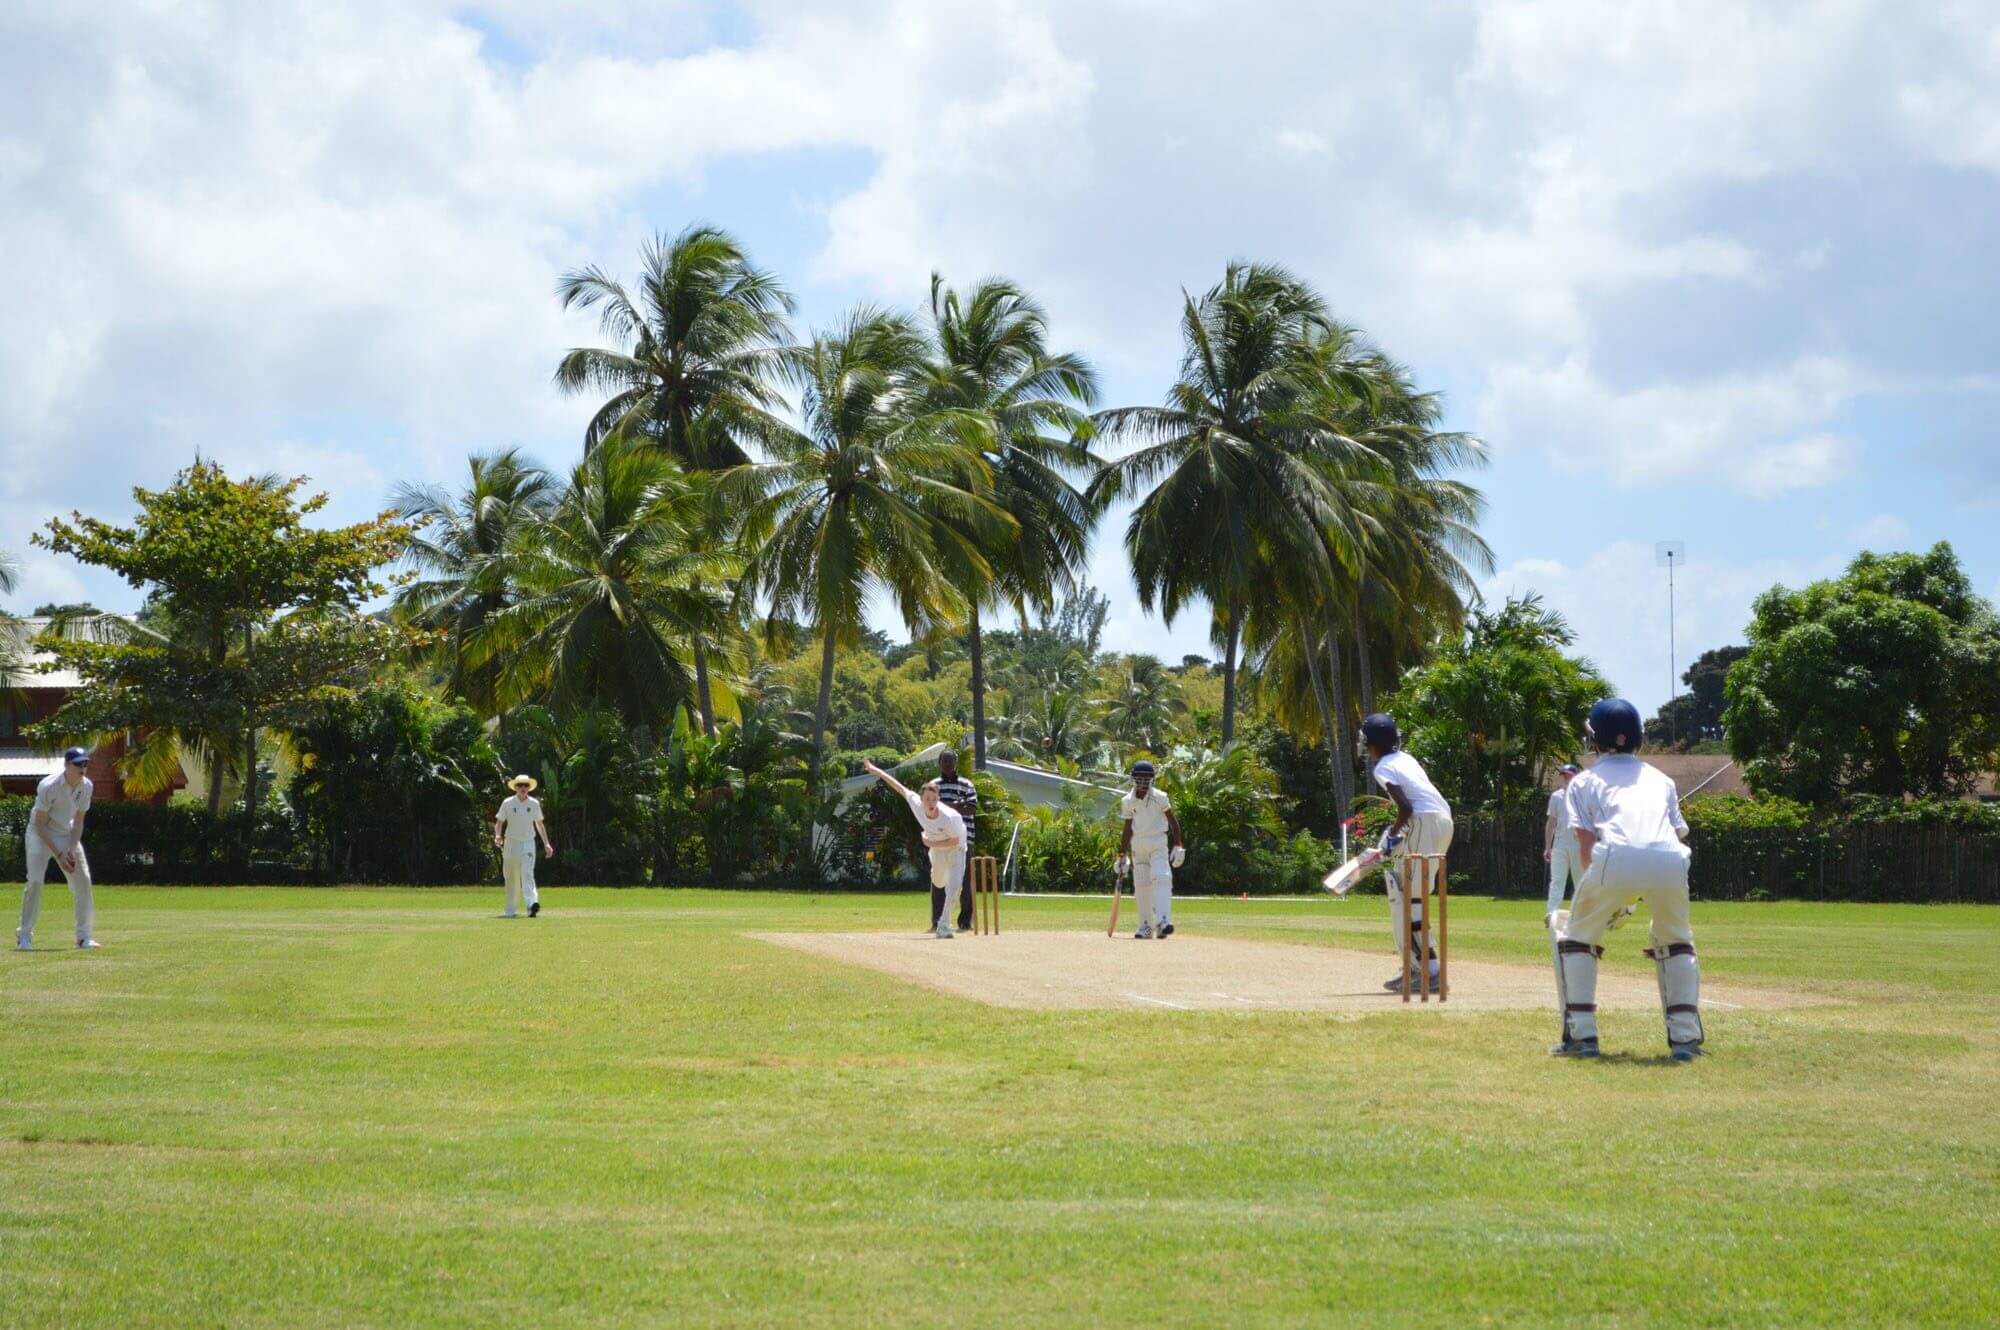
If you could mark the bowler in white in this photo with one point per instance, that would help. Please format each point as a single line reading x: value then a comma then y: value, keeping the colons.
x: 515, y: 829
x: 55, y: 831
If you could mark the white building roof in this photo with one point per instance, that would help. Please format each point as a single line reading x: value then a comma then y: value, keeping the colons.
x: 27, y: 630
x: 17, y: 764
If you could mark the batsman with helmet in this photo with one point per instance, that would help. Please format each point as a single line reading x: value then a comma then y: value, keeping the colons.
x: 1150, y: 846
x: 1626, y: 817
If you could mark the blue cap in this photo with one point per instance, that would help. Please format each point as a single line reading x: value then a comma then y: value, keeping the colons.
x: 76, y: 757
x: 1380, y: 730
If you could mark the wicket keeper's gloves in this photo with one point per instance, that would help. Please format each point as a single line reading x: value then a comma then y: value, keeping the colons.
x: 1178, y: 857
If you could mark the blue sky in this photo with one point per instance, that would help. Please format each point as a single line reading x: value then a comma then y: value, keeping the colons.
x: 1704, y: 271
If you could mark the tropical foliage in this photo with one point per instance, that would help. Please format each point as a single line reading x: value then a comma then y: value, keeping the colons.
x: 1883, y: 681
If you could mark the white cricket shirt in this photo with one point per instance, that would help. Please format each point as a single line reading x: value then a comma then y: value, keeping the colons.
x: 946, y: 821
x: 1407, y: 774
x: 1559, y: 807
x: 61, y: 802
x: 517, y: 817
x: 1148, y: 816
x: 1623, y: 801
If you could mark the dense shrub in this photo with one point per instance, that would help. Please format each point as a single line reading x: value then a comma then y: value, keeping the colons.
x: 395, y: 787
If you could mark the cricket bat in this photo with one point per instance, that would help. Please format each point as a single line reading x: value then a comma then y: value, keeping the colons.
x: 1343, y: 878
x: 1117, y: 881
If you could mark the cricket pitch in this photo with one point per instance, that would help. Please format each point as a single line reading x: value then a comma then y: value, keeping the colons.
x: 1040, y: 969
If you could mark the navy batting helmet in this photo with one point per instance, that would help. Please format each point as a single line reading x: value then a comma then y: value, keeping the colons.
x: 1142, y: 768
x: 1381, y: 731
x: 1614, y: 726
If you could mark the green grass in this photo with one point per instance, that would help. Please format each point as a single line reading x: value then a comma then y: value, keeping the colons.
x: 387, y: 1107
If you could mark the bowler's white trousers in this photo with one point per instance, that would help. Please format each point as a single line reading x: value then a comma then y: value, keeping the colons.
x: 39, y: 857
x: 517, y: 865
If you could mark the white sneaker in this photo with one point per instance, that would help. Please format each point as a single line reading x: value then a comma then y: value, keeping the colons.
x: 943, y: 931
x: 22, y: 942
x: 1144, y: 934
x: 88, y: 944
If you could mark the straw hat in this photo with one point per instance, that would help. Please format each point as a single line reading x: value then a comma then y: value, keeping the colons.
x: 519, y: 781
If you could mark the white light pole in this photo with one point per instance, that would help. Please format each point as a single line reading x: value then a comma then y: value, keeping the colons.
x: 1671, y: 552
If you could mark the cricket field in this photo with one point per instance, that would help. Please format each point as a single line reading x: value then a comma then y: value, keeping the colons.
x: 360, y: 1107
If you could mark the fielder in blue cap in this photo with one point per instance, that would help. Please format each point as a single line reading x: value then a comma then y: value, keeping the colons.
x: 55, y: 831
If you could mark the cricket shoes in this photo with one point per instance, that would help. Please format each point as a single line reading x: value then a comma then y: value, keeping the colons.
x: 89, y: 944
x: 22, y: 942
x: 1394, y: 985
x: 534, y: 909
x: 1166, y: 930
x: 1145, y: 933
x: 944, y: 931
x: 1575, y: 1048
x: 1684, y: 1052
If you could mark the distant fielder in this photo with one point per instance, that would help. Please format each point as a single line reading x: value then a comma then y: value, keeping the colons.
x: 1150, y: 847
x: 1422, y: 826
x: 944, y: 836
x: 515, y: 829
x: 1559, y: 850
x: 1627, y: 820
x: 55, y: 831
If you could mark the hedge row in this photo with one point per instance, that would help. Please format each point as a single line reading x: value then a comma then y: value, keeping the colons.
x: 1840, y: 861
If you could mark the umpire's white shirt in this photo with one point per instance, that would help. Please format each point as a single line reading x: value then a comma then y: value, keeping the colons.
x: 517, y: 818
x: 62, y: 802
x: 1624, y: 801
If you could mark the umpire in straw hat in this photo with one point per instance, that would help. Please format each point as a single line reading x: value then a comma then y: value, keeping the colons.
x: 515, y: 829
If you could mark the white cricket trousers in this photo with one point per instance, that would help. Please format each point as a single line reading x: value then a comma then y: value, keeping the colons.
x: 1153, y: 882
x: 39, y: 858
x: 948, y: 876
x: 1565, y: 867
x: 1428, y: 833
x: 517, y: 865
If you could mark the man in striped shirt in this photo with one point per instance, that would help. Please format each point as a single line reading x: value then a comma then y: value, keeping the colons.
x: 956, y: 793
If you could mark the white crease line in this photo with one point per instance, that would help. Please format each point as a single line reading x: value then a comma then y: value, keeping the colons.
x: 1159, y: 1002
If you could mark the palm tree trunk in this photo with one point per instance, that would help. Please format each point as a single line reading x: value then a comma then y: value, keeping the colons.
x: 1343, y: 771
x: 978, y: 652
x: 702, y: 699
x: 249, y: 756
x: 1366, y: 675
x: 1234, y: 630
x: 1325, y: 707
x: 821, y: 711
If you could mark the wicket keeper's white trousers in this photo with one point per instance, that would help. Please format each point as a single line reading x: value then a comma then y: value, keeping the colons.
x: 1153, y: 881
x: 948, y: 876
x: 1565, y: 867
x: 517, y: 865
x: 1622, y: 874
x: 39, y: 858
x: 1428, y: 833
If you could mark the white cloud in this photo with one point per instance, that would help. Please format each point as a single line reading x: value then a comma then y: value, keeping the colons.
x: 1883, y: 531
x: 1758, y: 433
x: 1615, y: 598
x: 1300, y: 142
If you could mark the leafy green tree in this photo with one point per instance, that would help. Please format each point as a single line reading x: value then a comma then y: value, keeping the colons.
x: 388, y: 756
x: 732, y: 802
x: 262, y: 613
x: 460, y: 546
x: 992, y: 360
x: 1496, y: 707
x: 612, y: 588
x: 705, y: 340
x: 880, y: 489
x: 1695, y: 717
x: 1883, y: 681
x: 1145, y: 704
x: 1231, y: 474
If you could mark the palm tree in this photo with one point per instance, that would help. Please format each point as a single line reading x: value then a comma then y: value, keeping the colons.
x: 992, y: 359
x: 879, y: 490
x: 706, y: 337
x: 1237, y: 459
x: 614, y: 584
x: 461, y: 551
x: 1144, y: 705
